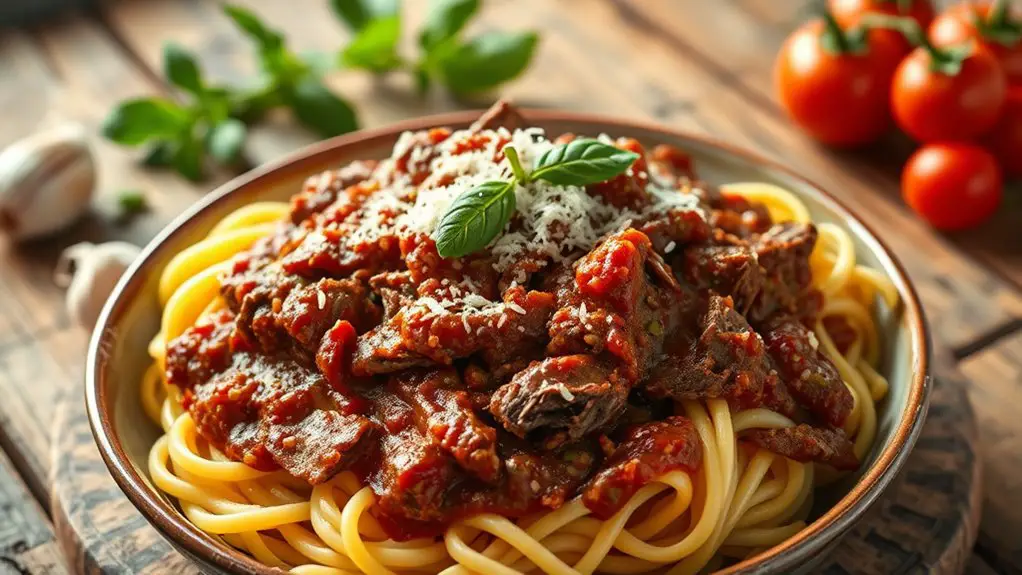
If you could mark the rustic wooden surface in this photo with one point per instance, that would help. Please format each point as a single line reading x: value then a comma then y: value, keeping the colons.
x: 692, y: 64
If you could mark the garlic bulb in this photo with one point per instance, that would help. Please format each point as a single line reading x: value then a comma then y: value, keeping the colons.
x: 90, y: 272
x: 46, y: 182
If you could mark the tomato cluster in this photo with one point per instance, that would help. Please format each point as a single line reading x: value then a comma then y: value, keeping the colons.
x: 951, y: 81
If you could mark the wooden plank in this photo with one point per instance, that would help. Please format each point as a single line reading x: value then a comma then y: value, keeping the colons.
x: 27, y: 544
x: 996, y: 373
x: 70, y: 71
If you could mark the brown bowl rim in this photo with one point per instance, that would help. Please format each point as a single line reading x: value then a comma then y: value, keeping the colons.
x: 786, y: 555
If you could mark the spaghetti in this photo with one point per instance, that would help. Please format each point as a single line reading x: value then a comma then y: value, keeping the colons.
x: 741, y: 499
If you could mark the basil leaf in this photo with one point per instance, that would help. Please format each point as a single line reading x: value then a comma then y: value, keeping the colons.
x: 445, y: 19
x: 356, y: 14
x: 132, y: 202
x: 375, y: 46
x: 487, y: 61
x: 226, y: 140
x: 475, y: 218
x: 582, y: 162
x: 137, y: 121
x: 252, y: 26
x: 188, y: 158
x: 180, y: 68
x: 320, y: 109
x: 160, y: 155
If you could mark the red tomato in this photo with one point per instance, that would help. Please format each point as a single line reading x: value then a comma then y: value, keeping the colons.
x: 848, y: 12
x: 931, y: 105
x: 967, y: 21
x: 1005, y: 140
x: 952, y: 185
x: 836, y: 91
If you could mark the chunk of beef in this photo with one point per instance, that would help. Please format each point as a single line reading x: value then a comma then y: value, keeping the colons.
x: 812, y: 379
x: 727, y: 360
x: 561, y: 398
x: 807, y: 443
x: 783, y: 252
x: 627, y: 190
x: 256, y: 295
x: 502, y: 114
x: 614, y: 271
x: 500, y: 330
x: 383, y: 350
x: 675, y: 228
x: 271, y: 412
x: 395, y: 289
x: 328, y: 253
x: 412, y: 477
x: 201, y: 351
x: 310, y: 310
x: 733, y: 213
x: 731, y: 270
x: 646, y: 452
x: 444, y: 415
x: 322, y: 190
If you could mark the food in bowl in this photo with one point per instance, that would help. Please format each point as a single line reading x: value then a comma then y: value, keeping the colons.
x: 643, y: 372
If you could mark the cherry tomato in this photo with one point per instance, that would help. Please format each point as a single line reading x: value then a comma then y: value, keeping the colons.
x: 848, y: 12
x: 835, y: 84
x: 933, y: 101
x: 952, y: 185
x: 1005, y: 140
x: 998, y: 31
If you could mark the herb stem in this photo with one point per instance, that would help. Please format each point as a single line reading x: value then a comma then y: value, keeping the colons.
x: 516, y: 167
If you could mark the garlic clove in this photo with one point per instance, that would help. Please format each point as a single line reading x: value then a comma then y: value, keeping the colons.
x: 46, y: 182
x: 90, y: 272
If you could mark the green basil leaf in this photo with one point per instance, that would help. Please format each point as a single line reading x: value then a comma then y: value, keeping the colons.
x: 320, y: 109
x: 226, y: 140
x: 475, y: 218
x: 188, y: 158
x: 180, y: 68
x: 581, y: 162
x: 356, y: 14
x: 375, y: 46
x: 487, y: 61
x: 134, y: 122
x: 318, y: 62
x: 131, y: 202
x: 445, y: 19
x: 252, y: 26
x: 160, y: 154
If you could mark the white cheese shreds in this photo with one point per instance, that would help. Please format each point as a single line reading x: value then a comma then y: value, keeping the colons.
x: 565, y: 392
x: 669, y: 247
x: 516, y: 308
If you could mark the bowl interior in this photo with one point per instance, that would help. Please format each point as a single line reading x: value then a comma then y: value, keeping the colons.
x: 133, y: 315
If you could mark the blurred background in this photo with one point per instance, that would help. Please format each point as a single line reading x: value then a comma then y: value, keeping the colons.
x: 122, y: 113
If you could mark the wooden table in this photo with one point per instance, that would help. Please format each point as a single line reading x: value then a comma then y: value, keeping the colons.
x: 692, y: 64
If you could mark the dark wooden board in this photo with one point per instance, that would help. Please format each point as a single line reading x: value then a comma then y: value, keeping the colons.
x: 27, y: 544
x: 701, y: 66
x: 996, y: 392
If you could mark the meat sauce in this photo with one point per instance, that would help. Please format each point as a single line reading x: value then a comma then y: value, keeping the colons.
x: 453, y: 389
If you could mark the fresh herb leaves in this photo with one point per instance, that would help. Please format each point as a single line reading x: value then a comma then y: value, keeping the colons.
x: 462, y: 66
x: 212, y: 121
x: 477, y: 216
x: 581, y: 162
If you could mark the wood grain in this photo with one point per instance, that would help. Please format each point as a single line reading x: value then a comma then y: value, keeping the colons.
x: 27, y: 544
x: 996, y: 373
x: 696, y: 65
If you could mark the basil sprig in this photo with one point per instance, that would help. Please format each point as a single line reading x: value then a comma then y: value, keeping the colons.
x: 480, y: 214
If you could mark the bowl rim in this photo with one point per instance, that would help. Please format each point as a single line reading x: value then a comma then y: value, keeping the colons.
x: 786, y: 555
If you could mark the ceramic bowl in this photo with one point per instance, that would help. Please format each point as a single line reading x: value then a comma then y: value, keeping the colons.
x: 117, y: 356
